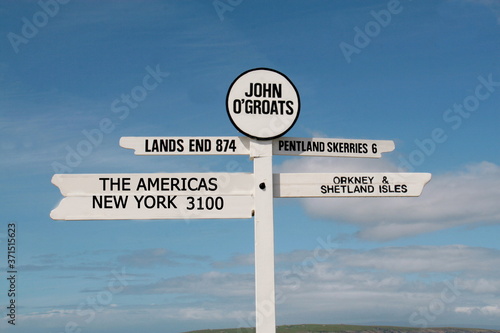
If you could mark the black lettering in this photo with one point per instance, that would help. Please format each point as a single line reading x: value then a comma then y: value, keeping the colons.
x: 203, y: 185
x: 281, y: 144
x: 256, y: 107
x: 183, y: 187
x: 237, y: 106
x: 213, y: 184
x: 327, y: 189
x: 249, y: 93
x: 200, y: 145
x: 141, y: 185
x: 289, y: 105
x: 174, y: 184
x: 257, y: 92
x: 276, y: 91
x: 163, y: 145
x: 402, y: 188
x: 109, y: 201
x: 153, y: 183
x: 171, y: 204
x: 248, y: 106
x: 155, y: 146
x: 281, y: 103
x: 266, y: 109
x: 161, y: 201
x: 266, y: 90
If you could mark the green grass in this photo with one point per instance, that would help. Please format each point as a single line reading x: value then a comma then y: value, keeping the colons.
x: 333, y: 328
x: 315, y: 328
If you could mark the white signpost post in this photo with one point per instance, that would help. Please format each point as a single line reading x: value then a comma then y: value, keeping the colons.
x: 263, y: 104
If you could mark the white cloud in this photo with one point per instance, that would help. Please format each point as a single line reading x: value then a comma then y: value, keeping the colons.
x: 489, y: 310
x: 157, y: 257
x: 425, y: 259
x: 125, y: 319
x: 343, y: 286
x: 407, y: 281
x: 216, y: 284
x: 467, y: 197
x: 476, y: 261
x: 235, y: 261
x: 347, y: 283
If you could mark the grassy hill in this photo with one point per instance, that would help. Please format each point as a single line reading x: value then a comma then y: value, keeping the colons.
x: 311, y: 328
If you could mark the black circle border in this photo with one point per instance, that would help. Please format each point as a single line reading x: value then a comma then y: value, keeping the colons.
x: 252, y: 136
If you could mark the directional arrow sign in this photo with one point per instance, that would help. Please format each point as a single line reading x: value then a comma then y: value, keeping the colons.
x: 197, y: 145
x: 240, y: 146
x: 154, y: 196
x: 331, y: 147
x: 349, y: 184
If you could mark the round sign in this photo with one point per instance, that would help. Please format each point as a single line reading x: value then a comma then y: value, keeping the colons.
x: 263, y: 103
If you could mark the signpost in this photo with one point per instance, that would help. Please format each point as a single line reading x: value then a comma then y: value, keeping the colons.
x: 263, y: 104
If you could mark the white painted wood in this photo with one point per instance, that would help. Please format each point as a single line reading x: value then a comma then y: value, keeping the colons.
x: 331, y: 147
x: 349, y: 184
x: 127, y: 207
x: 192, y: 145
x: 261, y: 151
x: 209, y: 183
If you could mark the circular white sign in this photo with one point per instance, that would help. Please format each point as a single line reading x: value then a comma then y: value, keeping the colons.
x: 263, y: 103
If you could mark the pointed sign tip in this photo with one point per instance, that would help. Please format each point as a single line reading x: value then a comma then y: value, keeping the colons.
x: 54, y: 215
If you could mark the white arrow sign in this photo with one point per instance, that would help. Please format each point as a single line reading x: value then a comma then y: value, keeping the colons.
x: 197, y: 145
x: 331, y: 147
x: 349, y: 184
x: 234, y: 145
x: 154, y: 196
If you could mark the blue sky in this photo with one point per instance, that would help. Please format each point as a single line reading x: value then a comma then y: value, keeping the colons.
x: 425, y: 74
